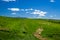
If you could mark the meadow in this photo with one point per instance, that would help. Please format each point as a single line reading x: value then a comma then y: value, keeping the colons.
x: 24, y: 28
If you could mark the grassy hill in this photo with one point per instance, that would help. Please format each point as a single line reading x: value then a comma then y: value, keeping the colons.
x: 24, y: 29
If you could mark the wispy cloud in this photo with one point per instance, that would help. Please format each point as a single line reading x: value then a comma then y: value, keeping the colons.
x: 27, y: 12
x: 30, y: 9
x: 34, y: 11
x: 14, y: 9
x: 22, y: 9
x: 39, y: 12
x: 9, y: 0
x: 13, y: 13
x: 52, y: 0
x: 51, y: 16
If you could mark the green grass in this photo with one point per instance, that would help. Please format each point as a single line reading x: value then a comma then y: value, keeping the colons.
x: 23, y: 28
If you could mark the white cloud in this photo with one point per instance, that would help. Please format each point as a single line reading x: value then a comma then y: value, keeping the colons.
x: 17, y: 9
x: 40, y: 13
x: 52, y: 1
x: 14, y: 9
x: 27, y: 12
x: 13, y: 13
x: 26, y: 9
x: 37, y: 10
x: 22, y: 9
x: 9, y: 0
x: 51, y: 16
x: 29, y: 9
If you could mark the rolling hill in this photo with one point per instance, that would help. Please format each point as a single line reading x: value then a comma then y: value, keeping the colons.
x: 29, y: 29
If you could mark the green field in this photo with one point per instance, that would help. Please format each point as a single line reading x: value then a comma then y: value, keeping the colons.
x: 24, y: 28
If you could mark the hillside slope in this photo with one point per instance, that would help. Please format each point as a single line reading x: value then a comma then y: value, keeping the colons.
x: 24, y: 29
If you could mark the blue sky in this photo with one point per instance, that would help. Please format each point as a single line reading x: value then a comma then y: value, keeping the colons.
x: 30, y: 8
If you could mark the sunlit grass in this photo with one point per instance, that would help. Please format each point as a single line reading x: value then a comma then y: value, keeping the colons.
x: 23, y: 29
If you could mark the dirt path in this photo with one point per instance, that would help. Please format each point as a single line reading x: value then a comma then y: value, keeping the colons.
x: 37, y: 34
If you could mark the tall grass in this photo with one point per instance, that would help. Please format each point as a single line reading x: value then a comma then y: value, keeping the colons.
x: 23, y: 29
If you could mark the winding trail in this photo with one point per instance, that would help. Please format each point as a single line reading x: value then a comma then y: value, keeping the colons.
x: 37, y: 34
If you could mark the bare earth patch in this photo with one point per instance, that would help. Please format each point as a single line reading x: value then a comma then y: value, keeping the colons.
x: 37, y: 34
x: 4, y: 29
